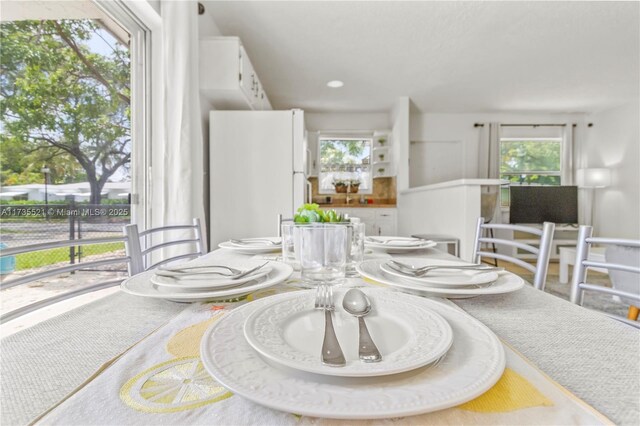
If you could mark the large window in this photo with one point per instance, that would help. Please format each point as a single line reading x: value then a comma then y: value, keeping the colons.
x: 345, y: 162
x: 531, y: 161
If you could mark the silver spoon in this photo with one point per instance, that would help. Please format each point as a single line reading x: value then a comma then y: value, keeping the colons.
x: 357, y: 304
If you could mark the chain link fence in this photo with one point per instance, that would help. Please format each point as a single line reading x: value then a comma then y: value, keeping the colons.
x: 33, y: 224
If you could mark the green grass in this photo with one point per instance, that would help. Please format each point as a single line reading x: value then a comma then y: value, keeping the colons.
x: 38, y: 259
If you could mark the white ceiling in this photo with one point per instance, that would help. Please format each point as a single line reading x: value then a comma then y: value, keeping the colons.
x: 446, y: 56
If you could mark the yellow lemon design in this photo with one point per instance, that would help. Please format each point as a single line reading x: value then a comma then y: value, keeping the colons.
x: 175, y: 385
x: 512, y: 392
x: 186, y: 342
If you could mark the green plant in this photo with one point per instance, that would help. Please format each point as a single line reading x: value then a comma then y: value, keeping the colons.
x: 381, y: 170
x: 309, y: 213
x: 382, y: 141
x: 381, y: 157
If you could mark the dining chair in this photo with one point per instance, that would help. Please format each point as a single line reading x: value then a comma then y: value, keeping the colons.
x: 622, y: 260
x: 539, y: 246
x: 488, y: 203
x: 68, y: 268
x: 140, y: 245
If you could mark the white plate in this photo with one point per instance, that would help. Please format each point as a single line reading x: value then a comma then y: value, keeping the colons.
x: 206, y: 282
x: 443, y: 277
x: 473, y: 364
x: 408, y: 334
x: 141, y: 285
x: 398, y: 244
x: 259, y: 247
x: 506, y: 282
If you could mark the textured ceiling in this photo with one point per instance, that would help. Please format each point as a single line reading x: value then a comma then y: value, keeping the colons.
x: 446, y: 56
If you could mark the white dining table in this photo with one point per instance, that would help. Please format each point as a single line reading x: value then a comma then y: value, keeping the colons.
x: 592, y: 356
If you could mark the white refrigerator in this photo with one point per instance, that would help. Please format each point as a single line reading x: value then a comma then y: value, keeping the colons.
x: 257, y: 169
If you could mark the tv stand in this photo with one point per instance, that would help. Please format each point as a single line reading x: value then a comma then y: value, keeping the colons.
x: 565, y: 235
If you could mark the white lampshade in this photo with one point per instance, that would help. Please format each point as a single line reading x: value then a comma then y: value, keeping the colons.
x: 594, y: 178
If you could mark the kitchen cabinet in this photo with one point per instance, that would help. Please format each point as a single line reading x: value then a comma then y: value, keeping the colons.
x: 227, y: 77
x: 378, y: 221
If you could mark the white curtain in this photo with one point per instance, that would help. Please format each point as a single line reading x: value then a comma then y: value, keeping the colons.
x: 489, y: 168
x: 489, y: 152
x: 181, y: 169
x: 566, y: 159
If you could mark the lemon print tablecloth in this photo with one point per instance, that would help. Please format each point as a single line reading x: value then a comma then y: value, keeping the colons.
x: 161, y: 380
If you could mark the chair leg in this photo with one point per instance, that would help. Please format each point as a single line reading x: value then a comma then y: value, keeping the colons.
x: 633, y: 313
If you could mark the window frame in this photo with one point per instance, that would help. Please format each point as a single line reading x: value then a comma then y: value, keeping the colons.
x: 368, y: 138
x: 141, y: 106
x: 505, y: 201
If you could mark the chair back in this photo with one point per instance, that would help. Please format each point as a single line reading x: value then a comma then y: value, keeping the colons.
x: 540, y: 247
x: 140, y: 245
x: 622, y: 260
x: 9, y: 253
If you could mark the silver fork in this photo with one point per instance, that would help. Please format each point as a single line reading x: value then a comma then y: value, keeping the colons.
x: 418, y: 272
x: 255, y: 240
x: 331, y: 352
x: 185, y: 272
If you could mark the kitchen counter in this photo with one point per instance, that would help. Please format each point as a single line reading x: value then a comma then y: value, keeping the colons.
x: 357, y: 206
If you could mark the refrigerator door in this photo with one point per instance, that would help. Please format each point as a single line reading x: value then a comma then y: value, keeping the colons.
x: 300, y: 191
x: 299, y: 142
x: 251, y: 169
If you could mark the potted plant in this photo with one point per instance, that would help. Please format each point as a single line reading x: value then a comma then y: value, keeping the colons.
x: 341, y: 186
x: 354, y: 185
x: 382, y: 141
x: 381, y: 157
x: 381, y: 171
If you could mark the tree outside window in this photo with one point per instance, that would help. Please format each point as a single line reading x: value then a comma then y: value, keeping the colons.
x: 532, y: 161
x: 65, y: 102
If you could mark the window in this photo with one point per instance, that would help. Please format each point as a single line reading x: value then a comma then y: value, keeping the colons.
x: 345, y: 161
x: 530, y: 161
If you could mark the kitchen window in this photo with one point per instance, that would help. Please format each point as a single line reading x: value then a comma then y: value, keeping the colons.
x: 530, y: 161
x: 345, y: 165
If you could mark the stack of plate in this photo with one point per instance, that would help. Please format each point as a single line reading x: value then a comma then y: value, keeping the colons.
x: 433, y: 356
x: 253, y: 245
x: 451, y: 283
x: 207, y: 284
x: 397, y: 244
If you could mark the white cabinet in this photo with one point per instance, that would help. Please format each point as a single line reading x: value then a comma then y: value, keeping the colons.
x: 386, y: 221
x: 227, y: 78
x: 378, y: 221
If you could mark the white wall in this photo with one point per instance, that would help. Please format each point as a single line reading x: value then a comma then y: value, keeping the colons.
x: 457, y: 139
x: 614, y: 142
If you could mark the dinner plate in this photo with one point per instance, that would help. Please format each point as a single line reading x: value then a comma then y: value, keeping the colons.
x: 506, y: 282
x: 398, y: 244
x: 260, y: 246
x: 141, y: 285
x: 472, y: 365
x: 443, y: 277
x: 408, y: 334
x: 206, y: 281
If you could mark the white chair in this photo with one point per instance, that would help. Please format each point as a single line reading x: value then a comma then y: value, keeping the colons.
x: 72, y: 267
x: 541, y: 248
x: 622, y: 260
x: 136, y: 240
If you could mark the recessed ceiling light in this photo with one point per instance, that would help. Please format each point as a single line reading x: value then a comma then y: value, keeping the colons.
x: 335, y: 84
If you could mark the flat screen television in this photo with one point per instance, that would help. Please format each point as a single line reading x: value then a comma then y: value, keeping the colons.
x: 537, y: 204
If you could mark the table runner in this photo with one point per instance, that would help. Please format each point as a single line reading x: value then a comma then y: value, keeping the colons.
x: 161, y: 380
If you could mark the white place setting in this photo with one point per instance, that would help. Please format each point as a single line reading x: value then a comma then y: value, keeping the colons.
x: 393, y: 244
x: 253, y: 245
x: 432, y: 351
x: 199, y: 283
